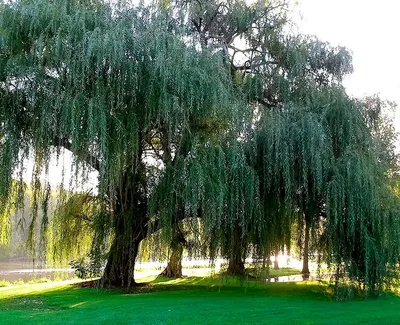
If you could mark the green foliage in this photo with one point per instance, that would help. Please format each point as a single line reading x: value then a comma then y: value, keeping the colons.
x: 105, y: 85
x: 72, y: 228
x: 8, y: 206
x: 88, y: 267
x: 4, y: 283
x: 184, y: 121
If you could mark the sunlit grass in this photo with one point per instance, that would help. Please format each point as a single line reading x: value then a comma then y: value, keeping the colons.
x: 194, y: 300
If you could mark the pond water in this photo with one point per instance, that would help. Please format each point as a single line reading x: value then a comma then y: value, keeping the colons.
x: 299, y: 278
x: 24, y: 269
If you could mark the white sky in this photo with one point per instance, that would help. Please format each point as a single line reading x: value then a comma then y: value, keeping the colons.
x: 55, y: 176
x: 369, y: 28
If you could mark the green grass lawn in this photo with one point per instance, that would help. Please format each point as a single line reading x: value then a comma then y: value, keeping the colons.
x: 219, y: 300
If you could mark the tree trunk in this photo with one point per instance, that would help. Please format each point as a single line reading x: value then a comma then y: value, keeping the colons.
x: 236, y: 260
x: 236, y: 266
x: 119, y: 271
x: 305, y: 271
x: 130, y: 230
x: 266, y: 261
x: 174, y: 266
x: 276, y: 263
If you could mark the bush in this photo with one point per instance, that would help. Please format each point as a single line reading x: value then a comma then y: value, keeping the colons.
x: 4, y: 283
x: 19, y: 282
x: 39, y: 280
x: 90, y: 266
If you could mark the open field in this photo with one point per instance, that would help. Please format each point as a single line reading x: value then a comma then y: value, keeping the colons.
x: 194, y: 300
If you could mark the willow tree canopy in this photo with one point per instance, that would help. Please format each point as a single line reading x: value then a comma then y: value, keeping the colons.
x: 120, y: 89
x: 181, y: 119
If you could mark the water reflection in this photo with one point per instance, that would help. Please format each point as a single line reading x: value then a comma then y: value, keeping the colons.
x: 15, y: 270
x: 299, y: 278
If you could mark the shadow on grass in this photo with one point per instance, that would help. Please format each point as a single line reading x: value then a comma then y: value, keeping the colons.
x: 224, y: 283
x: 61, y: 298
x: 72, y: 296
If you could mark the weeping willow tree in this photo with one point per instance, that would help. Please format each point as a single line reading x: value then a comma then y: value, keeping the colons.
x: 121, y: 88
x: 320, y: 158
x: 216, y: 184
x: 306, y: 135
x: 274, y: 71
x: 200, y: 110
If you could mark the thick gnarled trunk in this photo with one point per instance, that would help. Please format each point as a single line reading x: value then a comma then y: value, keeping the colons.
x: 174, y: 266
x: 130, y: 228
x: 119, y: 271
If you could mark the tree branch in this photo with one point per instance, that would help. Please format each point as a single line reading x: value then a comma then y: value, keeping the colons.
x: 250, y: 67
x: 66, y: 144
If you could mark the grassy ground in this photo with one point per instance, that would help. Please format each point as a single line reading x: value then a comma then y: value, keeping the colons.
x: 283, y: 271
x: 219, y: 300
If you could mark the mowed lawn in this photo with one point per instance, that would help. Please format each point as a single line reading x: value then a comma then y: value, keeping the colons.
x: 219, y: 300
